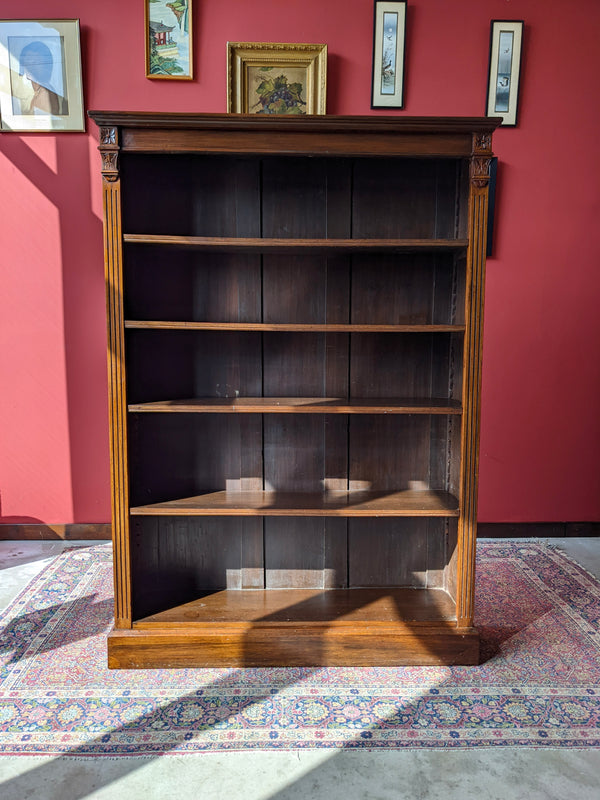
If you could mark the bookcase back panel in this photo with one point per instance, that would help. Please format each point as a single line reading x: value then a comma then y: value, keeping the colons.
x: 161, y: 459
x: 176, y: 560
x: 226, y: 199
x: 159, y: 365
x: 290, y: 197
x: 171, y: 364
x: 355, y: 553
x: 226, y: 288
x: 191, y: 195
x: 156, y: 194
x: 401, y: 365
x: 198, y: 286
x: 182, y: 455
x: 305, y: 365
x: 410, y: 198
x: 305, y: 553
x: 168, y: 364
x: 390, y: 453
x: 174, y: 456
x: 227, y: 364
x: 403, y: 290
x: 296, y: 455
x: 444, y: 452
x: 407, y: 552
x: 305, y: 289
x: 294, y: 198
x: 158, y: 284
x: 181, y: 286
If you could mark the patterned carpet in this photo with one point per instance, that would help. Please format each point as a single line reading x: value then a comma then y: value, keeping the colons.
x: 538, y: 685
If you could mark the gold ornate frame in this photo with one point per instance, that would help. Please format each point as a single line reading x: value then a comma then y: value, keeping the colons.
x: 305, y: 61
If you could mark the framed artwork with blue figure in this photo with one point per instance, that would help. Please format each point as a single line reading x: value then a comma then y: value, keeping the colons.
x: 40, y: 76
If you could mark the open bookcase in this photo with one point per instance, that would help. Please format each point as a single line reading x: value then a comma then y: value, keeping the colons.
x: 295, y: 318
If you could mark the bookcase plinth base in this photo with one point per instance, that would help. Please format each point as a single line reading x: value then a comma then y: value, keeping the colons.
x: 239, y: 646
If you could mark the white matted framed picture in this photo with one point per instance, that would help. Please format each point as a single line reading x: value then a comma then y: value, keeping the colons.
x: 40, y: 75
x: 506, y: 38
x: 389, y: 35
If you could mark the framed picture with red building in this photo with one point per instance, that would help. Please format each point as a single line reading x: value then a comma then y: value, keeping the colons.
x: 168, y: 28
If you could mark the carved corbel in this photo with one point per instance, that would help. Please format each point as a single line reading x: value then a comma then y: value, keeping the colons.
x: 482, y: 143
x: 480, y: 159
x: 480, y: 171
x: 109, y: 150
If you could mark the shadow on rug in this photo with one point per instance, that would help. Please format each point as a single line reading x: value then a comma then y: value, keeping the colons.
x: 538, y: 683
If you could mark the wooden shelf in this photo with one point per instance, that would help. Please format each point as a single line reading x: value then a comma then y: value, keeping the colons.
x: 297, y: 606
x: 289, y: 327
x: 227, y: 244
x: 409, y: 503
x: 298, y: 405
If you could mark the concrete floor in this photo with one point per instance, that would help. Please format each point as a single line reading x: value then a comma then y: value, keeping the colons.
x: 494, y: 774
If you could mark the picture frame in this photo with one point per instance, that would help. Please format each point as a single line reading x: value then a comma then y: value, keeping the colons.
x: 169, y: 40
x: 506, y: 40
x: 389, y: 44
x: 40, y: 75
x: 276, y: 78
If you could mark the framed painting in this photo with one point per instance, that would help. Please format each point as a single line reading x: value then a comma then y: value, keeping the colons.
x: 40, y: 75
x: 276, y: 78
x: 506, y: 38
x: 389, y: 35
x: 168, y: 28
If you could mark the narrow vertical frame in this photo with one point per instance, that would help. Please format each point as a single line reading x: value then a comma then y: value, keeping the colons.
x: 389, y: 36
x: 168, y: 39
x: 506, y: 39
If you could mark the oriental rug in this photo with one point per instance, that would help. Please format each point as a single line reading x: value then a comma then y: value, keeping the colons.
x: 538, y: 684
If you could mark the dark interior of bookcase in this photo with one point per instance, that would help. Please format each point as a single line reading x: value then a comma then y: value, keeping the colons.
x: 175, y: 559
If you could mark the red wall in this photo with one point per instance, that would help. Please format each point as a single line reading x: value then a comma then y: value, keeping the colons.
x: 540, y: 421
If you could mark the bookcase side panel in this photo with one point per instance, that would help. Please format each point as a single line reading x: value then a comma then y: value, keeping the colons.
x: 474, y: 306
x: 113, y: 263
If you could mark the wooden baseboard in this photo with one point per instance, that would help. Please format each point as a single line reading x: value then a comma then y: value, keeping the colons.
x: 485, y: 530
x: 536, y: 530
x: 39, y: 532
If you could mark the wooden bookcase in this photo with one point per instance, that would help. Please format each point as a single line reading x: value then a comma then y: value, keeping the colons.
x: 295, y: 320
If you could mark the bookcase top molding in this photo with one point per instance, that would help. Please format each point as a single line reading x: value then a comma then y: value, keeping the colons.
x: 366, y: 135
x: 154, y: 119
